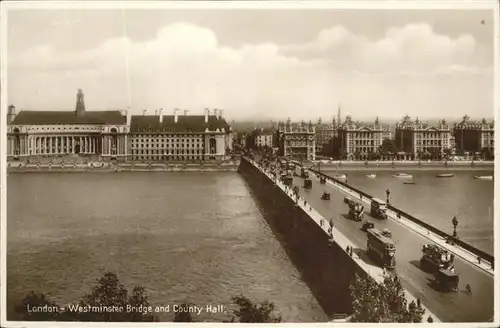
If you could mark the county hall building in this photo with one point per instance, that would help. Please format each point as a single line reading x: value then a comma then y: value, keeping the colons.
x: 81, y: 135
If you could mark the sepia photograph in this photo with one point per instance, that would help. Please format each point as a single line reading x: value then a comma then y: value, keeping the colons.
x: 248, y: 162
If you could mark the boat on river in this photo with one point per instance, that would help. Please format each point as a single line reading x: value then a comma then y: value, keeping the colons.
x: 341, y: 177
x: 371, y: 176
x: 402, y: 175
x: 445, y: 175
x: 484, y: 177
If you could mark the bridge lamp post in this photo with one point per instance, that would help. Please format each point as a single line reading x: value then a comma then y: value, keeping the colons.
x: 387, y: 193
x: 455, y: 223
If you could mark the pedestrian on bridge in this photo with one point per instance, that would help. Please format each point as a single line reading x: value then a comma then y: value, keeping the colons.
x: 479, y: 259
x: 347, y: 249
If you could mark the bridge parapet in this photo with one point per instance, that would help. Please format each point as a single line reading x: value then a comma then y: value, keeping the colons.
x: 461, y: 248
x: 337, y: 237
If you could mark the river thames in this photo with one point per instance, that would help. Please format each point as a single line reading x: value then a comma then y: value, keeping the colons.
x: 185, y: 237
x: 192, y: 237
x: 437, y: 200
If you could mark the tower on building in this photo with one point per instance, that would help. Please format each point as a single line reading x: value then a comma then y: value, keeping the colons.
x: 80, y: 104
x: 11, y: 114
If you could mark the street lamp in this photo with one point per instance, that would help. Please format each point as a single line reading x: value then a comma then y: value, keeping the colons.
x: 387, y: 193
x: 455, y: 223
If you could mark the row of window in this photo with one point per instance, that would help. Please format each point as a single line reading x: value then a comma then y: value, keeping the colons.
x: 167, y: 152
x: 152, y: 147
x: 173, y: 158
x: 64, y: 128
x: 167, y: 139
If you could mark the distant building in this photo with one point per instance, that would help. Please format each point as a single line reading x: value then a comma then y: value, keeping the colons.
x: 420, y: 140
x: 360, y: 142
x: 297, y: 140
x: 473, y: 137
x: 325, y: 133
x: 264, y: 137
x: 179, y: 137
x: 387, y: 133
x: 43, y: 135
x: 83, y: 136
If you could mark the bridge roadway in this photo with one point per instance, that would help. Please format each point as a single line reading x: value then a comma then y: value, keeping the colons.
x: 448, y: 307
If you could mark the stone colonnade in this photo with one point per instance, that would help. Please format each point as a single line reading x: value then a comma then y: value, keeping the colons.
x: 45, y: 145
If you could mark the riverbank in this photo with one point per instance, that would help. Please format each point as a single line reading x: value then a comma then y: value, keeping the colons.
x: 125, y: 167
x: 406, y: 165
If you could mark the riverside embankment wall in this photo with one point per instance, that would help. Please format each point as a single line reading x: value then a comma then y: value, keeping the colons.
x: 325, y: 267
x: 461, y: 243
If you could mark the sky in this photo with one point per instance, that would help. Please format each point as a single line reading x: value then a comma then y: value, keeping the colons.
x: 255, y: 63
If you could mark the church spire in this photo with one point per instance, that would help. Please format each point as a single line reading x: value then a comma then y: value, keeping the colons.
x: 339, y: 120
x: 80, y: 104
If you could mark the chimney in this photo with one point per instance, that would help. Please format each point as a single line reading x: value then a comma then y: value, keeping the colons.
x: 206, y: 115
x: 161, y: 115
x: 215, y: 113
x: 186, y: 112
x: 176, y: 117
x: 144, y: 112
x: 220, y: 113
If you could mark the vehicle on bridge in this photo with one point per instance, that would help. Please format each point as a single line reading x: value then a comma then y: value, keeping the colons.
x: 287, y: 180
x: 356, y: 211
x: 325, y: 196
x: 446, y: 280
x: 435, y: 258
x: 378, y: 208
x: 348, y: 201
x: 381, y: 248
x: 367, y: 225
x: 322, y: 180
x: 308, y: 184
x: 303, y: 173
x: 386, y: 232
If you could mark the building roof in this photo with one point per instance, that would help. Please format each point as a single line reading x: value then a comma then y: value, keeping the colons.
x: 185, y: 123
x: 33, y: 117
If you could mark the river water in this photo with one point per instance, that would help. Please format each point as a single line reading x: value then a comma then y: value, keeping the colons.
x: 186, y: 237
x: 437, y: 200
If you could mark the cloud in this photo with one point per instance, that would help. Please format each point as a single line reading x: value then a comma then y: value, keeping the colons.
x: 185, y: 66
x: 412, y: 47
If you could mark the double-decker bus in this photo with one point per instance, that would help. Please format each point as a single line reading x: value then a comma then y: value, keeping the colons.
x: 435, y: 258
x: 381, y: 248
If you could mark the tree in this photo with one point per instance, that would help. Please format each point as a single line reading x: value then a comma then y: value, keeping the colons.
x: 34, y: 300
x: 108, y: 292
x: 248, y: 312
x: 487, y: 153
x: 388, y: 147
x: 373, y: 302
x: 183, y: 316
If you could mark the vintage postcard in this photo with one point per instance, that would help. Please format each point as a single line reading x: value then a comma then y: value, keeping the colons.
x: 248, y: 162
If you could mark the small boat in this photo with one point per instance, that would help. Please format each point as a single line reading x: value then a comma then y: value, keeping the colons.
x: 445, y: 175
x: 402, y: 175
x: 484, y: 177
x: 371, y: 176
x: 340, y: 176
x: 411, y: 182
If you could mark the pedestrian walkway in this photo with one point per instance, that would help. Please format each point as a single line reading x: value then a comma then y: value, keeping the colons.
x: 376, y: 272
x: 457, y: 250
